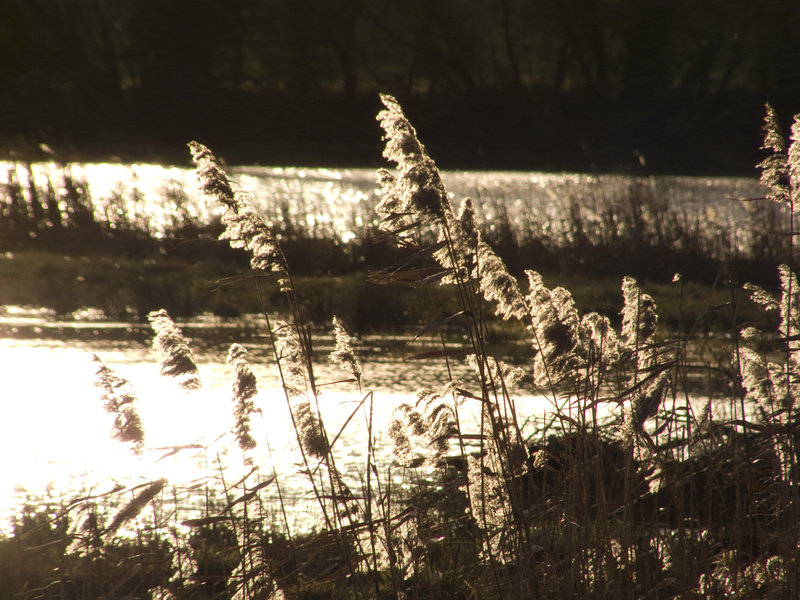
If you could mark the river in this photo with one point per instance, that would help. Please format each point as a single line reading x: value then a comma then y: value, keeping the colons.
x: 55, y: 435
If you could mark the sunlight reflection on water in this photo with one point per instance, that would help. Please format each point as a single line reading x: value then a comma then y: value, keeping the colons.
x: 341, y: 203
x: 55, y: 434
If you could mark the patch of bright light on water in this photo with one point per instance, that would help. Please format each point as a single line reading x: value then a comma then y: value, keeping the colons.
x: 157, y: 197
x: 55, y: 433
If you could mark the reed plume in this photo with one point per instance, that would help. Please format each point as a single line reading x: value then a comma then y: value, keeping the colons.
x: 291, y: 359
x: 649, y: 382
x: 772, y: 385
x: 244, y: 390
x: 244, y: 227
x: 419, y: 188
x: 599, y: 340
x: 431, y: 421
x: 643, y: 404
x: 761, y: 296
x: 177, y: 360
x: 793, y: 160
x: 309, y: 428
x: 639, y: 317
x: 489, y: 506
x: 762, y: 380
x: 417, y: 195
x: 498, y: 370
x: 292, y: 364
x: 498, y: 285
x: 119, y: 399
x: 343, y: 354
x: 555, y: 324
x: 132, y: 509
x: 775, y: 169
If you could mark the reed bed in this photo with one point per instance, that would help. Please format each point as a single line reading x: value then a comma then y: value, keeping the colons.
x: 664, y: 499
x: 620, y: 224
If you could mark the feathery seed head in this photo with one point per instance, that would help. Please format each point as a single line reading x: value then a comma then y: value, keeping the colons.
x: 419, y: 186
x: 309, y: 428
x: 793, y: 161
x: 773, y: 137
x: 775, y: 169
x: 244, y: 389
x: 639, y: 316
x: 291, y: 358
x: 756, y: 379
x: 213, y: 180
x: 177, y: 360
x: 468, y: 219
x: 497, y: 284
x: 466, y: 238
x: 790, y: 304
x: 647, y: 403
x: 415, y: 423
x: 500, y: 371
x: 343, y: 354
x: 244, y: 227
x: 119, y: 399
x: 391, y: 201
x: 439, y: 424
x: 555, y: 321
x: 599, y: 337
x: 401, y: 443
x: 761, y: 296
x: 136, y: 505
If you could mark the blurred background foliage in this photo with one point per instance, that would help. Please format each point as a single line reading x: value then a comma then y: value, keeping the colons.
x: 660, y: 85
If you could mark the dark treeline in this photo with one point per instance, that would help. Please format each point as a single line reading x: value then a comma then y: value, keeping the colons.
x: 534, y: 84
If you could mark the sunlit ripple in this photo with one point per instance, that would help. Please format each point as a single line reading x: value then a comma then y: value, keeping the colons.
x: 341, y: 202
x: 55, y: 433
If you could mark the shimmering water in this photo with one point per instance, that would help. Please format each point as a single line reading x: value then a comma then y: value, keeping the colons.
x: 55, y: 434
x: 341, y: 202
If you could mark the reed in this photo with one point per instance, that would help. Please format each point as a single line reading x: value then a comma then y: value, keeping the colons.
x: 244, y: 388
x: 624, y: 487
x: 119, y: 399
x: 177, y: 360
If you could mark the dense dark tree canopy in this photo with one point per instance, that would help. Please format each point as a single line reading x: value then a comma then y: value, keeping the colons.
x: 535, y: 84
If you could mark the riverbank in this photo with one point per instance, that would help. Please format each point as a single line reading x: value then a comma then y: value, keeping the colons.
x: 129, y: 288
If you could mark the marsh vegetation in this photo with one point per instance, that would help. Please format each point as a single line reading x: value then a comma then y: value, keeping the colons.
x: 626, y: 489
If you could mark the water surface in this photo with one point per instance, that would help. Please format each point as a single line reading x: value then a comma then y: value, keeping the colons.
x: 341, y: 202
x: 55, y: 433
